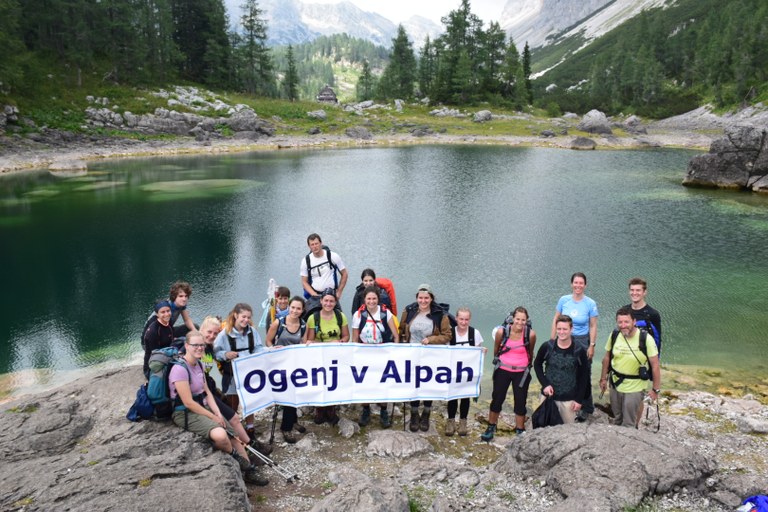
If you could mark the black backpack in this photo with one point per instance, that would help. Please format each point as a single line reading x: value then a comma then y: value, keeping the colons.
x: 386, y: 332
x: 281, y: 328
x: 225, y: 367
x: 339, y: 321
x: 437, y: 315
x: 470, y: 336
x: 331, y: 265
x: 644, y: 372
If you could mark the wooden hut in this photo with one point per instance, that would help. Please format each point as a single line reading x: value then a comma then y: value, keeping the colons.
x: 326, y: 95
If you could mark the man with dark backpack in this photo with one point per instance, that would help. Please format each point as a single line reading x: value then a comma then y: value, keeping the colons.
x: 321, y: 269
x: 628, y: 353
x: 561, y: 367
x: 645, y: 316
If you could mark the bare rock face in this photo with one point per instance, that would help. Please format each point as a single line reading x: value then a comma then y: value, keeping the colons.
x: 73, y: 449
x: 604, y: 467
x: 737, y: 161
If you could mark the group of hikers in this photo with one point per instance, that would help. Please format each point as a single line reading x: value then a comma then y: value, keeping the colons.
x: 562, y: 364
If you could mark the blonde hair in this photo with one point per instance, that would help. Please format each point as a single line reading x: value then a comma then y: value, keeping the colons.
x: 210, y: 321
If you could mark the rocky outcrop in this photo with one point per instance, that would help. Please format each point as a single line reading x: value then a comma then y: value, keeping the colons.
x: 73, y: 449
x: 568, y: 456
x: 482, y: 116
x: 583, y: 143
x: 737, y: 161
x: 595, y: 121
x: 358, y: 132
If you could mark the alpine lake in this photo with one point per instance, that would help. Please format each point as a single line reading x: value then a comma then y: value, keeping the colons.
x: 84, y: 257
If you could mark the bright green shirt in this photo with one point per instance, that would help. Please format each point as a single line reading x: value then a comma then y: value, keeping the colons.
x: 627, y: 359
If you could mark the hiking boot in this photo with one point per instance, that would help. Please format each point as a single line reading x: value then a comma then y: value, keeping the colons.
x: 424, y: 423
x: 289, y: 437
x: 450, y: 427
x: 319, y: 416
x: 252, y: 476
x: 582, y: 417
x: 255, y: 460
x: 298, y: 427
x: 519, y: 431
x: 332, y: 416
x: 365, y: 417
x: 414, y: 424
x: 263, y: 448
x: 463, y: 427
x: 489, y: 433
x: 386, y: 422
x: 241, y: 461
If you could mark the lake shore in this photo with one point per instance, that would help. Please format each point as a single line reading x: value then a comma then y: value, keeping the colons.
x: 19, y: 154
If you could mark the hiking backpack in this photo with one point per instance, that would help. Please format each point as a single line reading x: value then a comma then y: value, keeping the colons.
x: 339, y: 321
x: 334, y: 269
x: 225, y: 367
x: 470, y: 336
x: 386, y: 285
x: 158, y: 391
x: 644, y: 373
x: 505, y: 328
x: 281, y: 327
x: 645, y: 324
x: 385, y: 331
x: 411, y: 310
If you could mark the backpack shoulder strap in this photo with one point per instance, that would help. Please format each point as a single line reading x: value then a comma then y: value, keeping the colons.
x: 643, y: 338
x: 280, y: 327
x: 471, y: 335
x: 251, y: 343
x: 309, y: 268
x: 232, y: 345
x: 614, y: 335
x: 453, y: 335
x: 338, y: 319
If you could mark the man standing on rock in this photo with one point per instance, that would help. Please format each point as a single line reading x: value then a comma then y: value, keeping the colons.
x: 320, y: 270
x: 627, y: 353
x: 645, y: 316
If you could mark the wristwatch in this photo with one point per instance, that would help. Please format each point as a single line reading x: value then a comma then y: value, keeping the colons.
x: 657, y: 391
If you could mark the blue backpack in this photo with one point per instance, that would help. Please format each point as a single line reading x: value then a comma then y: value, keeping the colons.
x: 142, y: 408
x: 160, y: 363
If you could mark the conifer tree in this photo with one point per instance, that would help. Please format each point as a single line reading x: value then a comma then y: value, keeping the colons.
x: 399, y: 76
x: 255, y: 60
x: 11, y: 72
x: 527, y: 73
x: 291, y: 77
x: 365, y: 84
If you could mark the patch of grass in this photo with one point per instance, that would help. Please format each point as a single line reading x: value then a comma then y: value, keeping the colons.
x: 508, y: 497
x: 419, y: 498
x: 26, y: 502
x: 259, y: 499
x: 327, y: 485
x: 93, y: 462
x: 145, y: 482
x: 27, y: 409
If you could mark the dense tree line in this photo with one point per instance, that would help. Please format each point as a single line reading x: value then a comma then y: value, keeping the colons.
x: 667, y: 61
x: 464, y: 65
x: 135, y: 42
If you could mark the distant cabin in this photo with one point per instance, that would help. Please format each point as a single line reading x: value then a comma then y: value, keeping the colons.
x: 326, y: 95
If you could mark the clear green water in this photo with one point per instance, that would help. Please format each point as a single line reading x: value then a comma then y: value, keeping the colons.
x: 82, y: 259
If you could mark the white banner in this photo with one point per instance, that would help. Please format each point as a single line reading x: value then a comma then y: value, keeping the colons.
x: 342, y: 373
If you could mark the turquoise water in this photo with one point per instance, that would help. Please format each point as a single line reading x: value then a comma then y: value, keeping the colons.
x: 84, y: 258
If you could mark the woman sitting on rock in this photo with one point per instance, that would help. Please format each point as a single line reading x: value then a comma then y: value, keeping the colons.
x: 195, y: 407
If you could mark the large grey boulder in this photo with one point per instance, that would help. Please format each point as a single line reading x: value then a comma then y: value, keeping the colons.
x: 595, y: 121
x: 482, y: 116
x: 318, y: 114
x: 583, y: 143
x: 72, y: 449
x: 737, y: 161
x: 365, y: 494
x: 392, y: 443
x: 604, y: 467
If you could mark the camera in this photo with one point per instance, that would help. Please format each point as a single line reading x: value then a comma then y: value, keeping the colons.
x: 644, y: 373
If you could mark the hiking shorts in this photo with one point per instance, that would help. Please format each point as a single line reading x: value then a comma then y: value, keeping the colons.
x: 199, y: 424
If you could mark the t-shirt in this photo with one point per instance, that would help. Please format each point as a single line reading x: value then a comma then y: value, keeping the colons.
x: 420, y: 327
x: 195, y: 377
x: 579, y: 311
x: 463, y: 339
x: 373, y: 330
x: 329, y: 329
x: 320, y: 271
x: 563, y: 371
x: 627, y: 358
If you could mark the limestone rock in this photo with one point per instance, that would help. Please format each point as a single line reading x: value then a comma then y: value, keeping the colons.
x: 595, y: 121
x: 393, y: 443
x: 561, y: 455
x: 347, y: 428
x: 482, y: 116
x: 399, y: 105
x: 583, y: 143
x: 358, y: 132
x: 73, y: 449
x: 369, y: 495
x: 547, y: 134
x: 68, y: 166
x: 318, y: 114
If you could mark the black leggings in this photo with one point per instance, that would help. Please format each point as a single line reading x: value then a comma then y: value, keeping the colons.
x: 290, y: 417
x: 415, y: 404
x: 463, y: 410
x: 501, y: 381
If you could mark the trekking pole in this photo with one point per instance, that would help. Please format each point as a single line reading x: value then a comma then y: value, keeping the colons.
x: 274, y: 422
x: 290, y: 474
